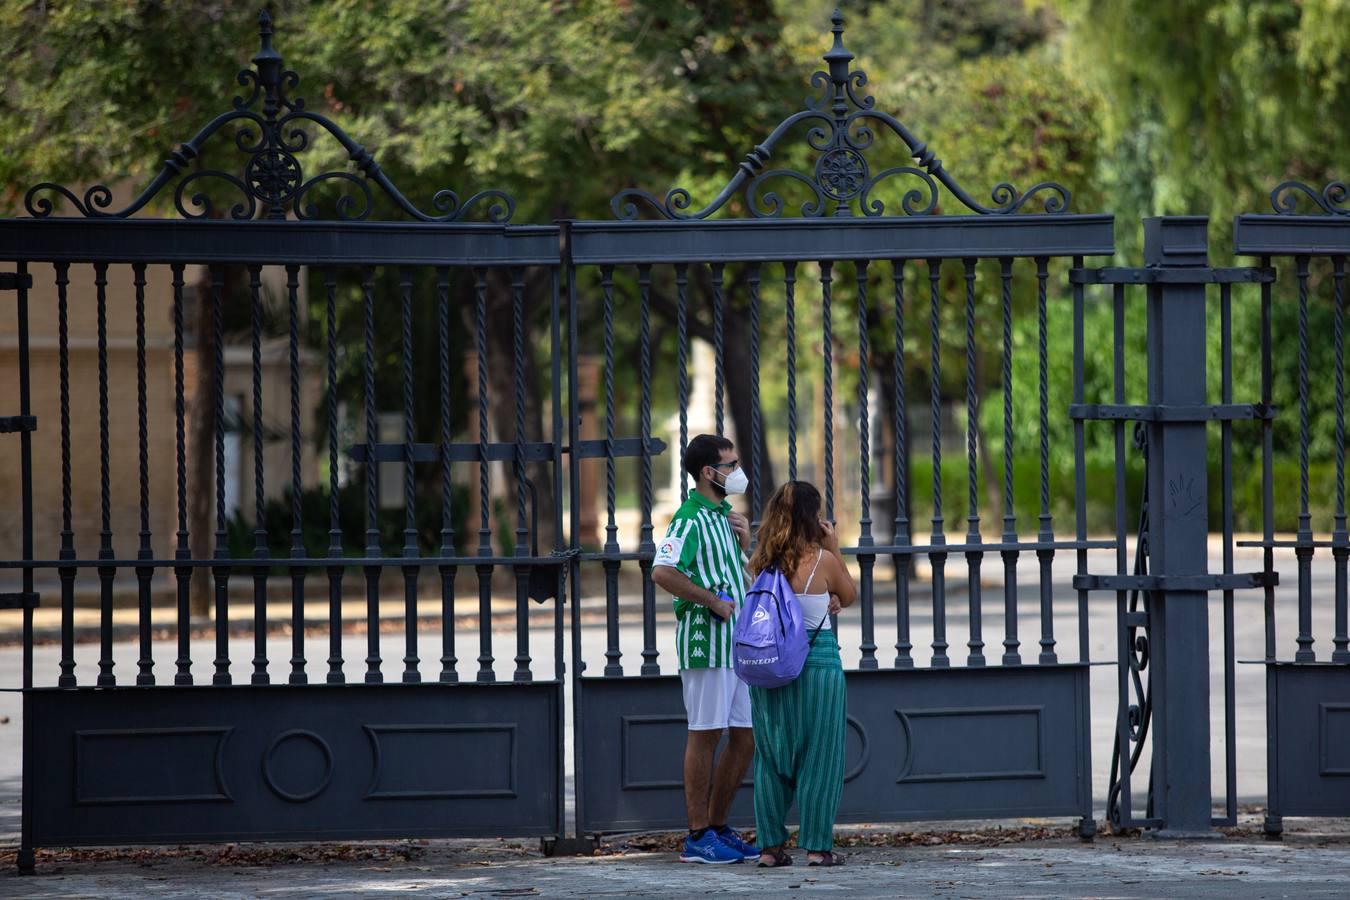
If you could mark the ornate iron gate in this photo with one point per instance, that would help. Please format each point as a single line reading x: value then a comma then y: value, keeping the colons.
x: 209, y: 752
x: 1001, y: 736
x: 1307, y: 698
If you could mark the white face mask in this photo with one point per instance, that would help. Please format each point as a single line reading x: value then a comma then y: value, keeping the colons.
x: 736, y: 482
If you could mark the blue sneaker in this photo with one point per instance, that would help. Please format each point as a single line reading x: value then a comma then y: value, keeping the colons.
x: 732, y: 838
x: 709, y: 849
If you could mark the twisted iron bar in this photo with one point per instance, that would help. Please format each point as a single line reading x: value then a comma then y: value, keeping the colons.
x: 790, y: 288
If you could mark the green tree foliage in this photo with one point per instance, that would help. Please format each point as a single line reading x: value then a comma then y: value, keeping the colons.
x: 1211, y: 102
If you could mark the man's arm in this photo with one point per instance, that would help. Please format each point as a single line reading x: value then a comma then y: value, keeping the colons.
x: 671, y: 579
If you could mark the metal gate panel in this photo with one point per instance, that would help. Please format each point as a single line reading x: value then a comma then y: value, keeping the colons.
x: 967, y: 743
x: 275, y: 763
x: 1309, y: 752
x: 632, y: 776
x: 921, y: 744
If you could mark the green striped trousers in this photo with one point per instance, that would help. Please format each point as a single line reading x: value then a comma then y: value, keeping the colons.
x: 799, y: 749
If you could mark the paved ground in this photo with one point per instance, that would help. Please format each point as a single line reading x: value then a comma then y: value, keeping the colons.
x: 1007, y: 863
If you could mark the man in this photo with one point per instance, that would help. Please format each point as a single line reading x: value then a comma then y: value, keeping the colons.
x: 701, y: 562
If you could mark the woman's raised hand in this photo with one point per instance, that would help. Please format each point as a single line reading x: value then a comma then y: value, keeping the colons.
x: 828, y: 539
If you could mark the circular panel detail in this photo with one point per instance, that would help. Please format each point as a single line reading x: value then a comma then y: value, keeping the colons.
x: 864, y: 751
x: 298, y: 765
x: 273, y: 176
x: 841, y: 173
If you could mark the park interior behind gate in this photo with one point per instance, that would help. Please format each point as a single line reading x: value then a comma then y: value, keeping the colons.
x: 443, y: 743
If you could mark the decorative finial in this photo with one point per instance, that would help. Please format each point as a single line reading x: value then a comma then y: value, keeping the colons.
x: 268, y: 61
x: 838, y: 56
x: 265, y: 32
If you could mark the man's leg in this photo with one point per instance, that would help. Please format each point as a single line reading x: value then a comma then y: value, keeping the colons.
x: 731, y: 768
x: 698, y: 764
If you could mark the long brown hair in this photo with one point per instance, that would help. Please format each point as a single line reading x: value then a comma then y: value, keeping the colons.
x: 790, y: 525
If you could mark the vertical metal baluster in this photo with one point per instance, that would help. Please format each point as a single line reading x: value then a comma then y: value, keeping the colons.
x: 373, y: 550
x: 559, y: 539
x: 719, y: 350
x: 559, y: 536
x: 1304, y: 548
x: 522, y: 548
x: 449, y: 675
x: 67, y: 573
x: 220, y: 570
x: 297, y: 484
x: 756, y: 419
x: 26, y: 586
x: 26, y: 857
x: 1229, y: 636
x: 646, y: 546
x: 901, y: 536
x: 827, y: 352
x: 937, y: 558
x: 183, y: 573
x: 105, y: 550
x: 145, y: 664
x: 611, y: 550
x: 790, y: 286
x: 1011, y: 645
x: 574, y: 417
x: 484, y: 571
x: 866, y: 561
x: 1124, y: 650
x: 1045, y: 535
x: 260, y: 549
x: 1340, y: 540
x: 1267, y: 465
x: 1080, y: 465
x: 335, y: 551
x: 974, y: 558
x: 682, y: 350
x: 411, y: 674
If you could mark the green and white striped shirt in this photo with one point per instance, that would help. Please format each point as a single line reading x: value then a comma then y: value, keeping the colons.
x: 701, y: 544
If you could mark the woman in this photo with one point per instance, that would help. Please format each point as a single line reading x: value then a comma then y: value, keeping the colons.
x: 799, y: 728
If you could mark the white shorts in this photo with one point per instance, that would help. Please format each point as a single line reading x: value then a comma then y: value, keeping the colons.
x: 715, y: 699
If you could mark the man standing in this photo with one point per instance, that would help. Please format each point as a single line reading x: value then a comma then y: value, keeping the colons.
x: 701, y: 561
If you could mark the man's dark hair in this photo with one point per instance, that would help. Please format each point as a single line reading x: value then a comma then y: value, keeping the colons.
x: 704, y: 450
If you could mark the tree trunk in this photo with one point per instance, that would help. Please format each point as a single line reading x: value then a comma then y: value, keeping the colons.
x: 202, y: 426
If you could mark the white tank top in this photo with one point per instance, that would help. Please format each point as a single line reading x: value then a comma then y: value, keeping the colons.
x: 815, y: 607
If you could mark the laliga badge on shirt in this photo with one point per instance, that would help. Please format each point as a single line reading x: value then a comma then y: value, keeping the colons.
x: 668, y: 552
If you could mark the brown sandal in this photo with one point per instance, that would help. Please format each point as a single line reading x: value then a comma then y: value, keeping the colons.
x: 779, y: 856
x: 827, y: 859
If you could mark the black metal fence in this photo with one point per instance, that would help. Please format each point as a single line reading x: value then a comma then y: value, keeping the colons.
x: 838, y: 297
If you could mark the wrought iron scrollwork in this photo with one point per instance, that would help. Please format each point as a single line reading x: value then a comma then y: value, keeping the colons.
x: 844, y: 123
x: 1138, y: 714
x: 1331, y: 199
x: 272, y: 129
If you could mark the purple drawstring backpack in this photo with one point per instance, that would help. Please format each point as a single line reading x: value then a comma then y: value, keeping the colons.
x: 769, y: 642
